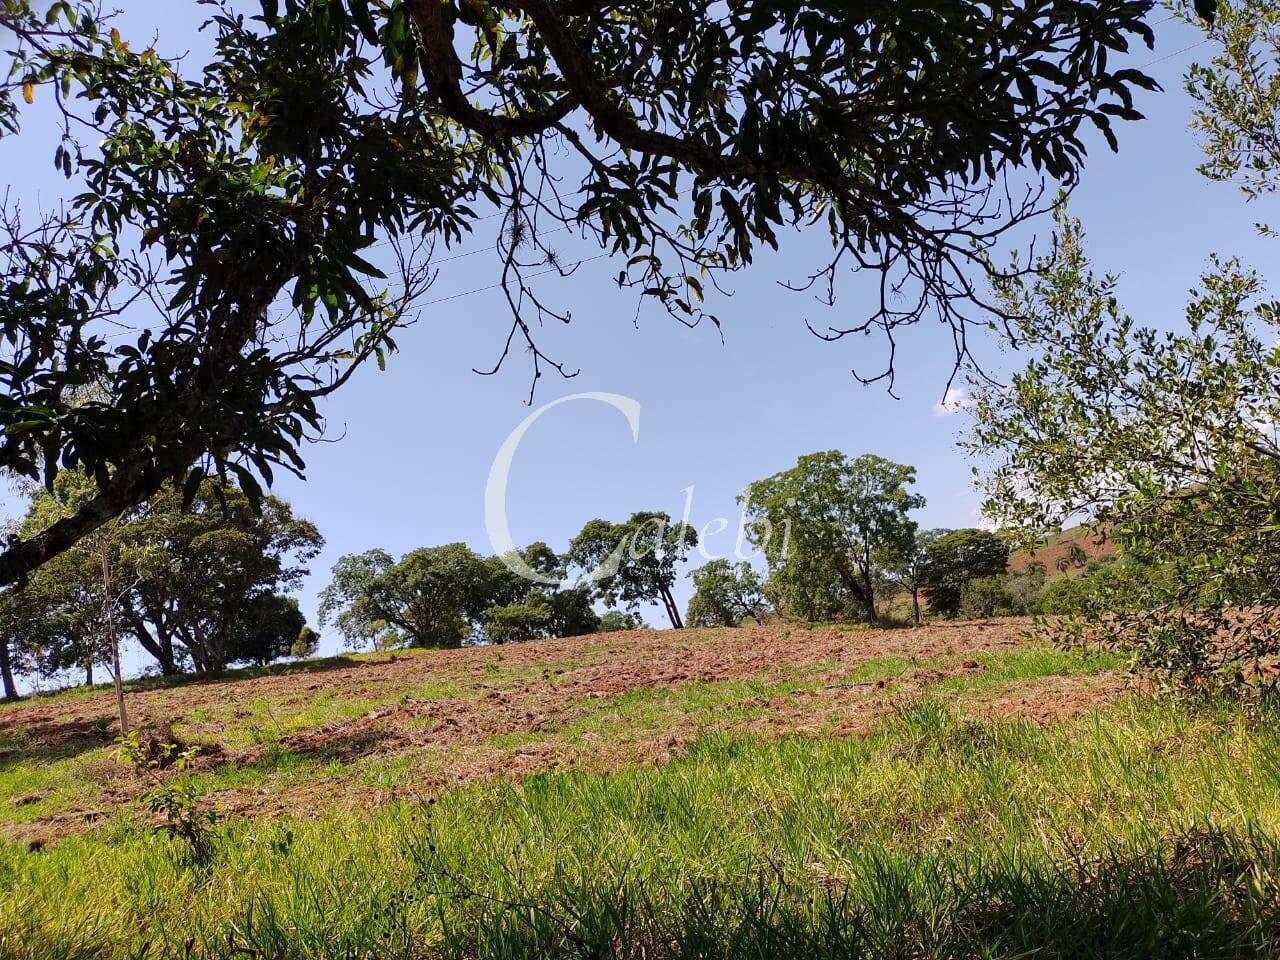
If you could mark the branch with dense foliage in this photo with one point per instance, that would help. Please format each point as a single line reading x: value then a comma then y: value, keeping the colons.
x: 1168, y: 440
x: 636, y: 561
x: 952, y: 562
x: 725, y: 594
x: 210, y: 277
x: 1238, y: 97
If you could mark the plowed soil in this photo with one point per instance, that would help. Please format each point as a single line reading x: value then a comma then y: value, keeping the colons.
x: 356, y: 731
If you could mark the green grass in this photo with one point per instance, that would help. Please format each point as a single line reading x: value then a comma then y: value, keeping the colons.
x: 31, y: 790
x: 1151, y: 829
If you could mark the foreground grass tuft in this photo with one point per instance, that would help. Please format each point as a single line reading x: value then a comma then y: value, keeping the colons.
x: 1150, y: 829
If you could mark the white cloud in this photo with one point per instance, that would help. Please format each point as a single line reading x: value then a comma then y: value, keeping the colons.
x: 982, y: 521
x: 955, y: 400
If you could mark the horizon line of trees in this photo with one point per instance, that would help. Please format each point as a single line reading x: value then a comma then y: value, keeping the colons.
x: 836, y: 534
x: 199, y: 579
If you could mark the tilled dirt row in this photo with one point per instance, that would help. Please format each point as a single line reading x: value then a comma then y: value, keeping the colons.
x: 515, y: 704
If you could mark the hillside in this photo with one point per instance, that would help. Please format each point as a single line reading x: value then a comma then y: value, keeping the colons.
x: 1092, y: 546
x: 361, y: 729
x: 951, y: 791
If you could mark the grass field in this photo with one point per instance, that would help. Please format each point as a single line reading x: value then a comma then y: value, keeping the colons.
x: 949, y: 792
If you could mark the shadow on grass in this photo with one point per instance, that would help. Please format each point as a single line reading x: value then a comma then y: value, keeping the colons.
x: 344, y: 744
x: 46, y: 740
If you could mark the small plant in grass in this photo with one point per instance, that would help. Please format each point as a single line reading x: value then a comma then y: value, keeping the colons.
x: 173, y: 799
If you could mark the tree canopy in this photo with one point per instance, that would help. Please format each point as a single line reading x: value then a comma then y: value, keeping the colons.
x: 637, y: 559
x: 829, y: 526
x: 222, y: 218
x: 906, y: 572
x: 951, y: 562
x: 447, y: 596
x: 725, y: 594
x: 197, y: 586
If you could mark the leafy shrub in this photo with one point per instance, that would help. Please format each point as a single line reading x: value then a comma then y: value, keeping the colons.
x: 726, y: 594
x: 517, y: 622
x: 617, y: 620
x: 986, y: 597
x: 173, y: 797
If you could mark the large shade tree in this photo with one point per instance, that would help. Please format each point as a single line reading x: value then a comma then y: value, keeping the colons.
x: 431, y: 597
x: 953, y: 561
x: 196, y: 586
x: 212, y: 576
x: 725, y: 594
x: 522, y: 610
x: 636, y: 561
x: 449, y: 595
x: 829, y: 526
x: 211, y: 274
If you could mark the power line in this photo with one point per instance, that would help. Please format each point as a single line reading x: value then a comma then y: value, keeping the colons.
x: 1169, y: 56
x: 494, y: 286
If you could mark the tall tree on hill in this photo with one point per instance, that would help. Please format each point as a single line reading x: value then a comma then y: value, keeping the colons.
x: 77, y: 597
x: 214, y: 572
x: 431, y: 597
x: 950, y: 563
x: 725, y: 594
x: 638, y: 558
x: 20, y: 621
x: 522, y: 610
x: 270, y: 627
x: 243, y: 200
x: 192, y: 585
x: 907, y: 571
x: 829, y: 525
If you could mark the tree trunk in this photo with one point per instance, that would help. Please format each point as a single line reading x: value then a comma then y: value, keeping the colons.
x: 859, y: 587
x: 88, y: 671
x: 159, y: 646
x: 113, y: 637
x: 868, y: 588
x: 915, y: 604
x: 673, y: 612
x: 6, y: 671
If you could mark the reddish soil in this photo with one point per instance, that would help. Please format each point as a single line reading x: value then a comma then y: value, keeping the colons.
x: 526, y: 708
x: 1094, y: 545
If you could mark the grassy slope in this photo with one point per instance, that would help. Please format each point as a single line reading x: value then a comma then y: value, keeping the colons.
x: 351, y: 731
x: 1146, y: 829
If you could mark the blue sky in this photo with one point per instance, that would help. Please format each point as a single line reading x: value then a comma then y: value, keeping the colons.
x: 413, y: 445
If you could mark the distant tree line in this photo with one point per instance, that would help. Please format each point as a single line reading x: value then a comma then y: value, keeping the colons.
x: 198, y: 585
x: 199, y: 578
x: 840, y: 544
x: 836, y: 534
x: 449, y: 595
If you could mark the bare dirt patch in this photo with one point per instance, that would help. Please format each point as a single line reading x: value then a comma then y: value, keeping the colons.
x: 360, y: 731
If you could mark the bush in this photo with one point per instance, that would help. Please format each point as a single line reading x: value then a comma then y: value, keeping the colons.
x: 617, y: 620
x: 517, y: 622
x: 1066, y: 595
x: 725, y: 595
